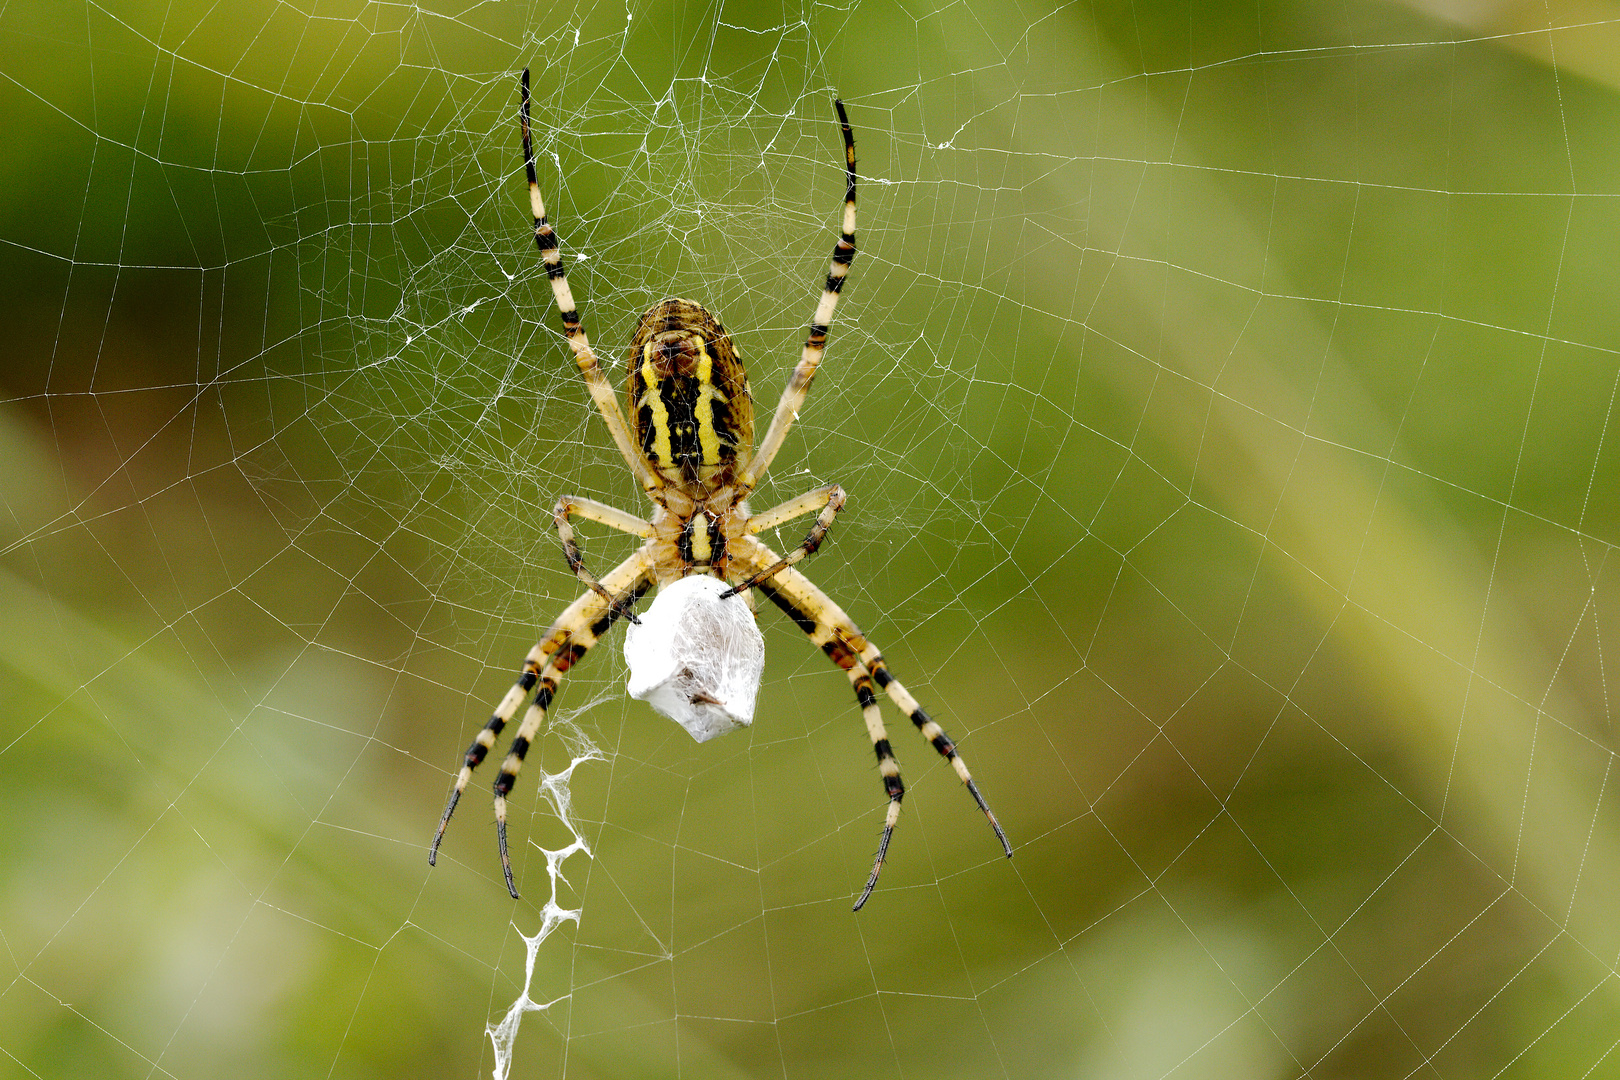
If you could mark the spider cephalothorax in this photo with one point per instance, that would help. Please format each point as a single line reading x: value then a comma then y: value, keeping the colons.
x: 690, y: 445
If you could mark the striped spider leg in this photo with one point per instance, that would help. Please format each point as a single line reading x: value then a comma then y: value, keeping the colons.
x: 573, y: 634
x: 827, y: 625
x: 571, y: 505
x: 545, y: 240
x: 815, y: 345
x: 829, y: 500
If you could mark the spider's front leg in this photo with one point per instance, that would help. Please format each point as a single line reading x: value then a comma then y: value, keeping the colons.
x: 570, y: 637
x: 826, y: 624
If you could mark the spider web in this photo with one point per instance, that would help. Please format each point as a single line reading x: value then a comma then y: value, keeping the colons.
x: 1224, y: 395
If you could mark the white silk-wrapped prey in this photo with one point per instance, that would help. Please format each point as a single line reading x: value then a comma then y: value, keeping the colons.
x: 697, y: 658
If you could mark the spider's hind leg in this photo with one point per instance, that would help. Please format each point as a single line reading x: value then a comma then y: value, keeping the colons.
x: 547, y: 244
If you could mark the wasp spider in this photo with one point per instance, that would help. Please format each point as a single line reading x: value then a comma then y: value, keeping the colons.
x: 691, y: 447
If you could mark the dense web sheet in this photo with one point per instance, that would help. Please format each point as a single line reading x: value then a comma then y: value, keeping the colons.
x: 1224, y: 393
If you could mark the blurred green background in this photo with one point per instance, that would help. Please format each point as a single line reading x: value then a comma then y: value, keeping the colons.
x: 1224, y: 391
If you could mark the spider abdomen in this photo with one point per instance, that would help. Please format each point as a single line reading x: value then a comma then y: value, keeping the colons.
x: 688, y: 395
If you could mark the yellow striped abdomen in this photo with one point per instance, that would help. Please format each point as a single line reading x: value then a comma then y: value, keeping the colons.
x: 688, y: 396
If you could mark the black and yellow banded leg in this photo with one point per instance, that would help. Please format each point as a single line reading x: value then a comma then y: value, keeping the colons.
x: 932, y: 732
x: 570, y: 637
x: 546, y: 242
x: 888, y: 768
x: 629, y: 581
x: 815, y: 343
x: 832, y: 630
x: 570, y: 505
x: 829, y: 500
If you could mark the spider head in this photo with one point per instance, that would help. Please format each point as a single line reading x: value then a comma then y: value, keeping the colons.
x: 688, y: 396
